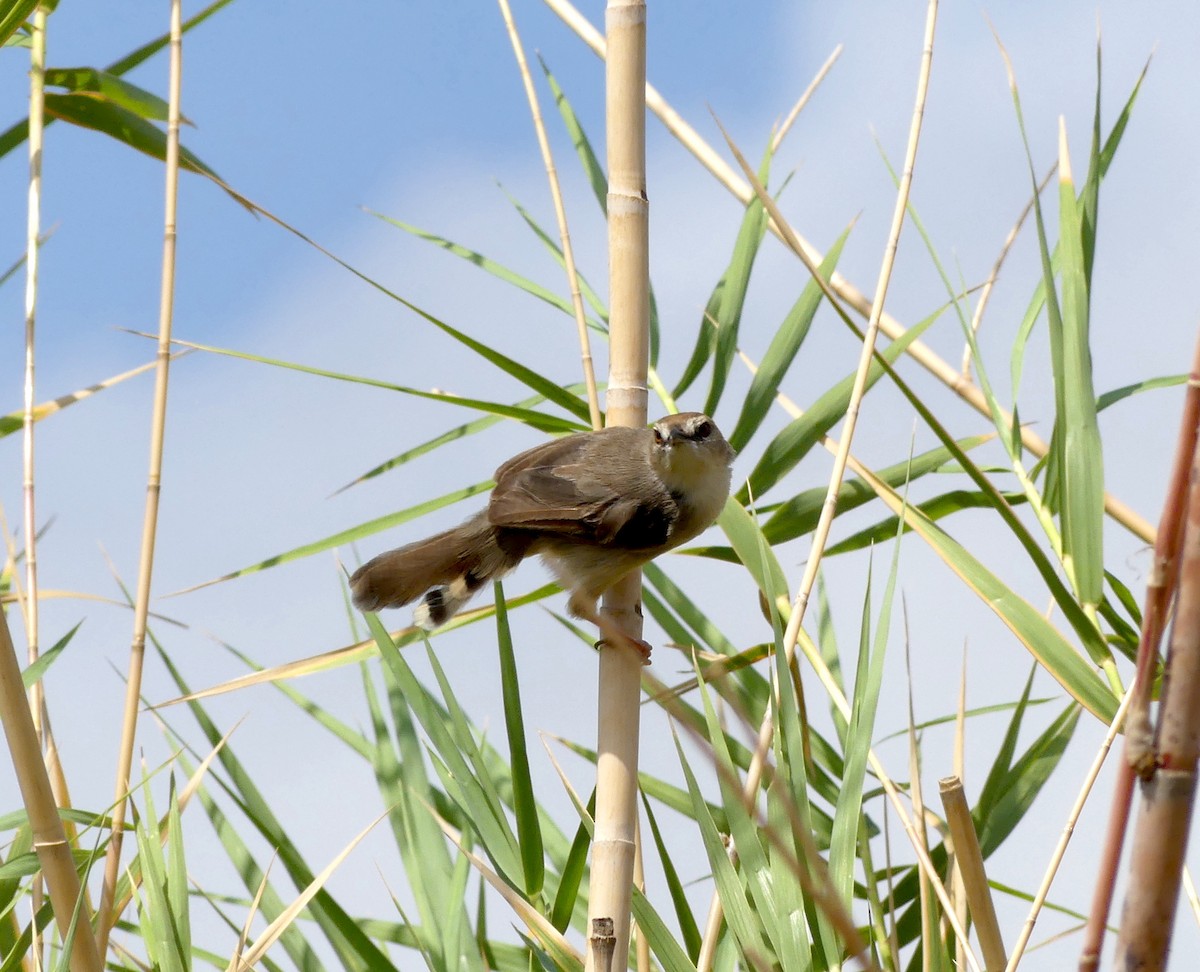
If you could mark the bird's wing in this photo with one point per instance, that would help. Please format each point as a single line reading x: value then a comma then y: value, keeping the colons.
x: 561, y: 488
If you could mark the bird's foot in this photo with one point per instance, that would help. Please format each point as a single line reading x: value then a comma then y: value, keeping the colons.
x: 639, y: 645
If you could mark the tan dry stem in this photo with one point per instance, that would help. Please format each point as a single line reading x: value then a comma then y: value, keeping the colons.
x: 37, y: 109
x: 614, y: 838
x: 1160, y: 836
x: 560, y: 214
x: 49, y: 838
x: 969, y: 861
x: 137, y: 649
x: 940, y: 369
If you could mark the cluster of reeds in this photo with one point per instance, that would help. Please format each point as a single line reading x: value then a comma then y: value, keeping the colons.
x: 802, y: 868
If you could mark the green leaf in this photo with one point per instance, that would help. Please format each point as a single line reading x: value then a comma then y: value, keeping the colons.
x: 573, y: 871
x: 662, y: 943
x: 742, y: 921
x: 785, y: 344
x: 18, y: 133
x: 110, y: 88
x: 534, y: 419
x: 799, y: 436
x: 529, y: 834
x: 1117, y: 394
x: 89, y: 111
x: 588, y: 160
x: 1038, y: 635
x: 16, y: 12
x: 355, y: 533
x: 683, y: 911
x: 868, y: 683
x: 734, y: 286
x: 352, y: 947
x: 1082, y: 458
x: 936, y: 508
x: 747, y: 540
x: 32, y: 674
x: 799, y: 515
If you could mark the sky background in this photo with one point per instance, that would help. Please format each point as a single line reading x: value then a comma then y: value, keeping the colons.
x: 416, y: 111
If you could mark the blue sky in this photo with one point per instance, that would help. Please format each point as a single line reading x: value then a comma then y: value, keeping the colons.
x: 416, y: 111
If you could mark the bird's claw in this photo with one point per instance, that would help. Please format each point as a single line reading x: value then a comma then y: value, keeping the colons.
x: 639, y: 645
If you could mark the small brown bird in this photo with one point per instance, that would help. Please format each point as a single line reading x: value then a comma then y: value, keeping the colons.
x: 594, y: 506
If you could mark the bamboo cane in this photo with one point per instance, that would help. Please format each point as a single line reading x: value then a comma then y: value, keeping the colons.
x: 629, y: 304
x: 137, y: 651
x: 37, y: 110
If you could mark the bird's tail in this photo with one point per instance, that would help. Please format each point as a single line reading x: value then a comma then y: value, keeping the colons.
x: 445, y: 571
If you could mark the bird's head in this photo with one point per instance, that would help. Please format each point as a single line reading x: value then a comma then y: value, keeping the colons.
x: 689, y: 445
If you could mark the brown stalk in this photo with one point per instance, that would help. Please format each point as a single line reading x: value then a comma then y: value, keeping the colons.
x: 49, y: 838
x: 560, y: 213
x: 1160, y: 836
x: 940, y: 369
x: 969, y: 861
x: 615, y: 835
x: 1160, y: 588
x: 137, y: 651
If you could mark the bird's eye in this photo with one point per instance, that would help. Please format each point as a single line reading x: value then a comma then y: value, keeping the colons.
x: 658, y: 436
x: 703, y: 430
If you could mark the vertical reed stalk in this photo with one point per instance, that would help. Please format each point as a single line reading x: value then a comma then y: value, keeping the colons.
x: 49, y: 838
x: 37, y: 115
x: 137, y: 651
x: 37, y: 119
x: 560, y: 214
x: 629, y: 305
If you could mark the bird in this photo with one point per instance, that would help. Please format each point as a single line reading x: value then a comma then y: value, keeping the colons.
x: 594, y: 506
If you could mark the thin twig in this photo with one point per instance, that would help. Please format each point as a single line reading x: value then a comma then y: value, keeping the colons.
x: 1060, y: 849
x: 137, y: 651
x: 986, y: 293
x: 560, y: 213
x: 798, y: 107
